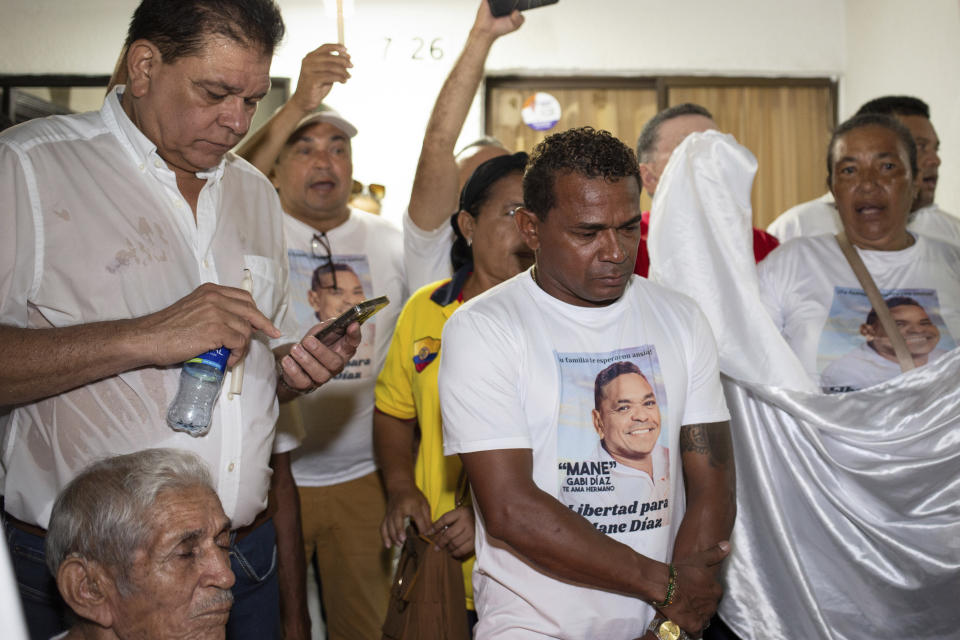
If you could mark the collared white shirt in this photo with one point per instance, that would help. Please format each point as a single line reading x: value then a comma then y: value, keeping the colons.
x: 93, y: 228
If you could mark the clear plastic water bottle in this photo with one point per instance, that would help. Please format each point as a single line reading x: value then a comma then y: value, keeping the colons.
x: 200, y: 381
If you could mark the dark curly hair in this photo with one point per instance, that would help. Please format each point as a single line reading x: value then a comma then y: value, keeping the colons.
x: 586, y: 151
x: 183, y: 28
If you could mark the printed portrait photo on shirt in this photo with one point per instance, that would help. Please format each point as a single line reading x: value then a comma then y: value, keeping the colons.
x: 612, y: 442
x: 322, y: 288
x: 855, y: 351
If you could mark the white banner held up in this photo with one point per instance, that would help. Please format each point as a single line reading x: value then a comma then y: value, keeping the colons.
x: 848, y: 520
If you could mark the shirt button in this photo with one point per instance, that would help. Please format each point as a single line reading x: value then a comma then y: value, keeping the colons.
x: 157, y: 163
x: 231, y: 467
x: 142, y: 167
x: 206, y: 263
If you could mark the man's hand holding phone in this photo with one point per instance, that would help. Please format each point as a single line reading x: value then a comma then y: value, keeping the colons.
x: 361, y: 312
x: 310, y: 363
x: 324, y: 351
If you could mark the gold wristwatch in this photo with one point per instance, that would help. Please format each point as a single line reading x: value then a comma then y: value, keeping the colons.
x: 667, y: 630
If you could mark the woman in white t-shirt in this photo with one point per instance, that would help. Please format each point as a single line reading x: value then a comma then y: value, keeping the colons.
x: 809, y: 288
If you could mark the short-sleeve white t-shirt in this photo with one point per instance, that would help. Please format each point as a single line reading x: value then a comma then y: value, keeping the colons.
x: 519, y: 370
x: 426, y: 254
x: 337, y: 419
x: 814, y: 298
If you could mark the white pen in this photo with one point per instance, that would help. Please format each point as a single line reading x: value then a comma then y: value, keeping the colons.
x: 236, y: 373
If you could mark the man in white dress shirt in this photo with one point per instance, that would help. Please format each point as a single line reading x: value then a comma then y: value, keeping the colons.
x: 125, y: 235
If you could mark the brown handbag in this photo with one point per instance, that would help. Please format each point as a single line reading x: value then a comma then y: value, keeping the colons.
x: 427, y: 600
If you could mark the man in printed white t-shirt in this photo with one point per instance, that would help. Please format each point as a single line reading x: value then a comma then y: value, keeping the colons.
x: 338, y: 256
x: 517, y: 392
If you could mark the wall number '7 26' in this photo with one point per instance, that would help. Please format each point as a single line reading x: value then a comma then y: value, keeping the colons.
x: 419, y: 49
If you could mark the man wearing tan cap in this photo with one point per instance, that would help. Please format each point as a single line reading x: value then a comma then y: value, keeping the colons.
x: 335, y: 252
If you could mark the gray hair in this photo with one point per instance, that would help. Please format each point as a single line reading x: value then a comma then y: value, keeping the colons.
x: 650, y: 136
x: 104, y: 513
x: 485, y: 141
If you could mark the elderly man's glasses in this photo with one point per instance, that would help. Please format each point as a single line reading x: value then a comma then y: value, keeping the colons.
x: 320, y: 248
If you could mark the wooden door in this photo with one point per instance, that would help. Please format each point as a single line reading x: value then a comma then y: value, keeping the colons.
x: 621, y: 110
x: 787, y: 127
x: 785, y: 122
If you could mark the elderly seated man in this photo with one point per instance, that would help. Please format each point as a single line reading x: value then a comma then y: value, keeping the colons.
x: 138, y: 545
x: 816, y: 300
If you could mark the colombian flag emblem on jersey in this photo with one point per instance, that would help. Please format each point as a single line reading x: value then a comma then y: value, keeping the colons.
x: 425, y: 351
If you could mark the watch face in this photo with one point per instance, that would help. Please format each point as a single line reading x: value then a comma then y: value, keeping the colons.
x: 669, y: 630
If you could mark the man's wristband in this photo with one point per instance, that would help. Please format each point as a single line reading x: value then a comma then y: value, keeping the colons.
x: 671, y: 590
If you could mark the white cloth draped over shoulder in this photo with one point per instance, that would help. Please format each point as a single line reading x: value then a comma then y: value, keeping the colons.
x: 848, y: 521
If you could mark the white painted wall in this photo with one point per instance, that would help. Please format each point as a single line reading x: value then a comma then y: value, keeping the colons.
x: 911, y: 48
x: 390, y: 95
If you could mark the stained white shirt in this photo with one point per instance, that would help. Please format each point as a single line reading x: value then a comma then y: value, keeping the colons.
x: 94, y: 228
x: 820, y: 216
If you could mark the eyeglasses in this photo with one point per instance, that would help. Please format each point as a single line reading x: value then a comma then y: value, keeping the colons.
x: 321, y: 241
x: 513, y: 212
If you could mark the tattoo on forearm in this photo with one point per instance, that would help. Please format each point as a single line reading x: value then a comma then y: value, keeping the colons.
x: 708, y: 439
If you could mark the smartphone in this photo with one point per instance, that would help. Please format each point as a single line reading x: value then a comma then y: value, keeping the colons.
x: 360, y: 312
x: 505, y: 7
